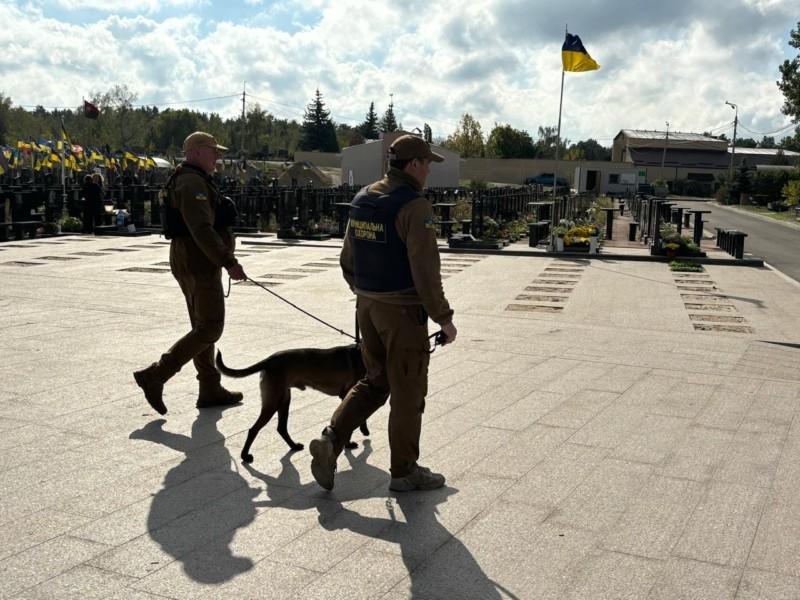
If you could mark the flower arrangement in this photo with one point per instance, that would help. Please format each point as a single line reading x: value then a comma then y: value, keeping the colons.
x: 491, y: 229
x: 578, y: 235
x: 673, y: 243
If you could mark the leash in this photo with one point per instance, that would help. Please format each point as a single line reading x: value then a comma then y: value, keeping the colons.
x: 438, y: 338
x: 305, y: 312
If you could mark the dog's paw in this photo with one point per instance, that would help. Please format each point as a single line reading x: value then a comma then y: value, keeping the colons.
x: 247, y: 458
x: 351, y: 445
x: 296, y: 447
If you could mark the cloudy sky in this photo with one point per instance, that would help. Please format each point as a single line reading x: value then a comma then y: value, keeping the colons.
x: 499, y: 60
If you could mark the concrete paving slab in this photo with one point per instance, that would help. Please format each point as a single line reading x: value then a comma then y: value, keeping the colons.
x: 723, y: 525
x: 86, y: 583
x: 613, y: 575
x: 765, y: 585
x: 687, y: 579
x: 777, y: 543
x: 655, y: 518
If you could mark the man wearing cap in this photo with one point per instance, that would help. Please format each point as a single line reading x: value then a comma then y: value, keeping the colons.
x: 199, y: 223
x: 390, y: 259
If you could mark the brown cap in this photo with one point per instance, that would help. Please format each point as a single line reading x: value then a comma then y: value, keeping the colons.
x: 201, y: 139
x: 409, y: 147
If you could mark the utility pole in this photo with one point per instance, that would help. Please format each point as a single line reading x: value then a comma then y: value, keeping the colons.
x: 733, y: 149
x: 666, y: 141
x: 244, y: 94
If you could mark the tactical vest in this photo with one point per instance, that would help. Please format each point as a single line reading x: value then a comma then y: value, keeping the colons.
x: 380, y: 257
x: 172, y: 223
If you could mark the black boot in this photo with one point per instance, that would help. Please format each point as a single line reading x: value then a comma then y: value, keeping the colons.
x: 215, y: 395
x: 152, y: 380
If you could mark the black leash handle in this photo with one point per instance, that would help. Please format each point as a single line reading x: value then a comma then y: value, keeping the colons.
x: 439, y: 338
x: 305, y: 312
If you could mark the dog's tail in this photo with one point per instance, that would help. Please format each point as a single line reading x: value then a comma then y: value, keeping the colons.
x: 238, y: 372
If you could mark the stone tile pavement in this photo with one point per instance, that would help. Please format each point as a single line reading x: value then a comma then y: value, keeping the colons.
x: 597, y: 444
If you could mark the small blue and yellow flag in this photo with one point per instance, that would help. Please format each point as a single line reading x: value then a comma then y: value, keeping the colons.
x: 574, y: 56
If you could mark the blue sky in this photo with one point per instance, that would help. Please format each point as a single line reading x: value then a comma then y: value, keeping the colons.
x: 496, y: 59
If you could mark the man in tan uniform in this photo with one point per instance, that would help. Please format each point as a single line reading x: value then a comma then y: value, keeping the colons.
x: 391, y: 261
x: 199, y: 222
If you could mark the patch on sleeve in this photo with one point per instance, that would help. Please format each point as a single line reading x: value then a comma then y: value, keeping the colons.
x: 201, y: 196
x: 429, y: 224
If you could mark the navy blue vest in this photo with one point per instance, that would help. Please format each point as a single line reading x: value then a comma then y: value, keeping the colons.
x: 380, y: 257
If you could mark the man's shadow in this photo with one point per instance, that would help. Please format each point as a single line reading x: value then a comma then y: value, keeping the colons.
x: 202, y: 502
x: 450, y: 573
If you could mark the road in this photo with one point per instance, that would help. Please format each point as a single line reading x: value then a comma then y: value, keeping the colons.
x: 776, y: 243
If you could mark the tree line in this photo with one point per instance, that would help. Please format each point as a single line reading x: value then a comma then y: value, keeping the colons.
x: 122, y: 124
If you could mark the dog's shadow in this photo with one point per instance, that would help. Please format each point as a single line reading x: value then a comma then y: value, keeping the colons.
x: 439, y: 565
x: 203, y: 500
x: 362, y: 480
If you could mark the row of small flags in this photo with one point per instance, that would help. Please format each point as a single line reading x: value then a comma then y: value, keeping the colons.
x: 46, y: 154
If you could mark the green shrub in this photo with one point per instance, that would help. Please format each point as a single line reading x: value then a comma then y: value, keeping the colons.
x: 767, y: 186
x: 71, y: 224
x: 791, y: 192
x: 685, y: 265
x: 478, y: 184
x: 689, y: 187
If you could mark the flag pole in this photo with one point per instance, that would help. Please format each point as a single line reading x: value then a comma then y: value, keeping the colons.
x: 558, y: 133
x: 63, y: 174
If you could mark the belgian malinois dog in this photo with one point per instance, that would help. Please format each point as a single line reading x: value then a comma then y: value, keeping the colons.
x: 332, y: 371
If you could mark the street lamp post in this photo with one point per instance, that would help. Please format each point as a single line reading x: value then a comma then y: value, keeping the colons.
x: 666, y: 141
x: 733, y: 149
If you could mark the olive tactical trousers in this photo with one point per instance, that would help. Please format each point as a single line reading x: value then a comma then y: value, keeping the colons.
x: 395, y: 351
x: 205, y: 303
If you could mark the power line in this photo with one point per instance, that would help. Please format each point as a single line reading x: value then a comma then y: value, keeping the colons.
x: 195, y: 100
x: 789, y: 126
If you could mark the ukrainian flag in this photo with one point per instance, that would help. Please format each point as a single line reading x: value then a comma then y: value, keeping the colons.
x: 574, y: 56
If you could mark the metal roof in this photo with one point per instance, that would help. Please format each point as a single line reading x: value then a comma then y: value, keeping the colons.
x: 762, y: 151
x: 674, y: 136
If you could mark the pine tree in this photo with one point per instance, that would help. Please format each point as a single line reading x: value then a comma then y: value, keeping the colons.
x: 319, y: 132
x: 427, y: 133
x: 369, y: 128
x: 388, y: 122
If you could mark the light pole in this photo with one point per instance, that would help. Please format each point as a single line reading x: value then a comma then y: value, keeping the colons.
x: 666, y: 141
x: 733, y: 149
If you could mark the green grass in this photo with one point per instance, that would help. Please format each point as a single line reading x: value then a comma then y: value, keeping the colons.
x: 788, y: 215
x: 685, y: 266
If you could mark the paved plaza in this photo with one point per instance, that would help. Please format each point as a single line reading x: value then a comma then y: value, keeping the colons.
x: 608, y: 429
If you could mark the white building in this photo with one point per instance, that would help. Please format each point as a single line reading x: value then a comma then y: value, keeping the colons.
x: 610, y: 178
x: 368, y: 162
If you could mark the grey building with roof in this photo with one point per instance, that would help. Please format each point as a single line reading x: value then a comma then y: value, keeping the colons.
x: 691, y: 156
x: 681, y: 151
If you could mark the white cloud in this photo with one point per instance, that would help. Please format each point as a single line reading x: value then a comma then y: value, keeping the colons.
x: 497, y: 59
x: 126, y: 6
